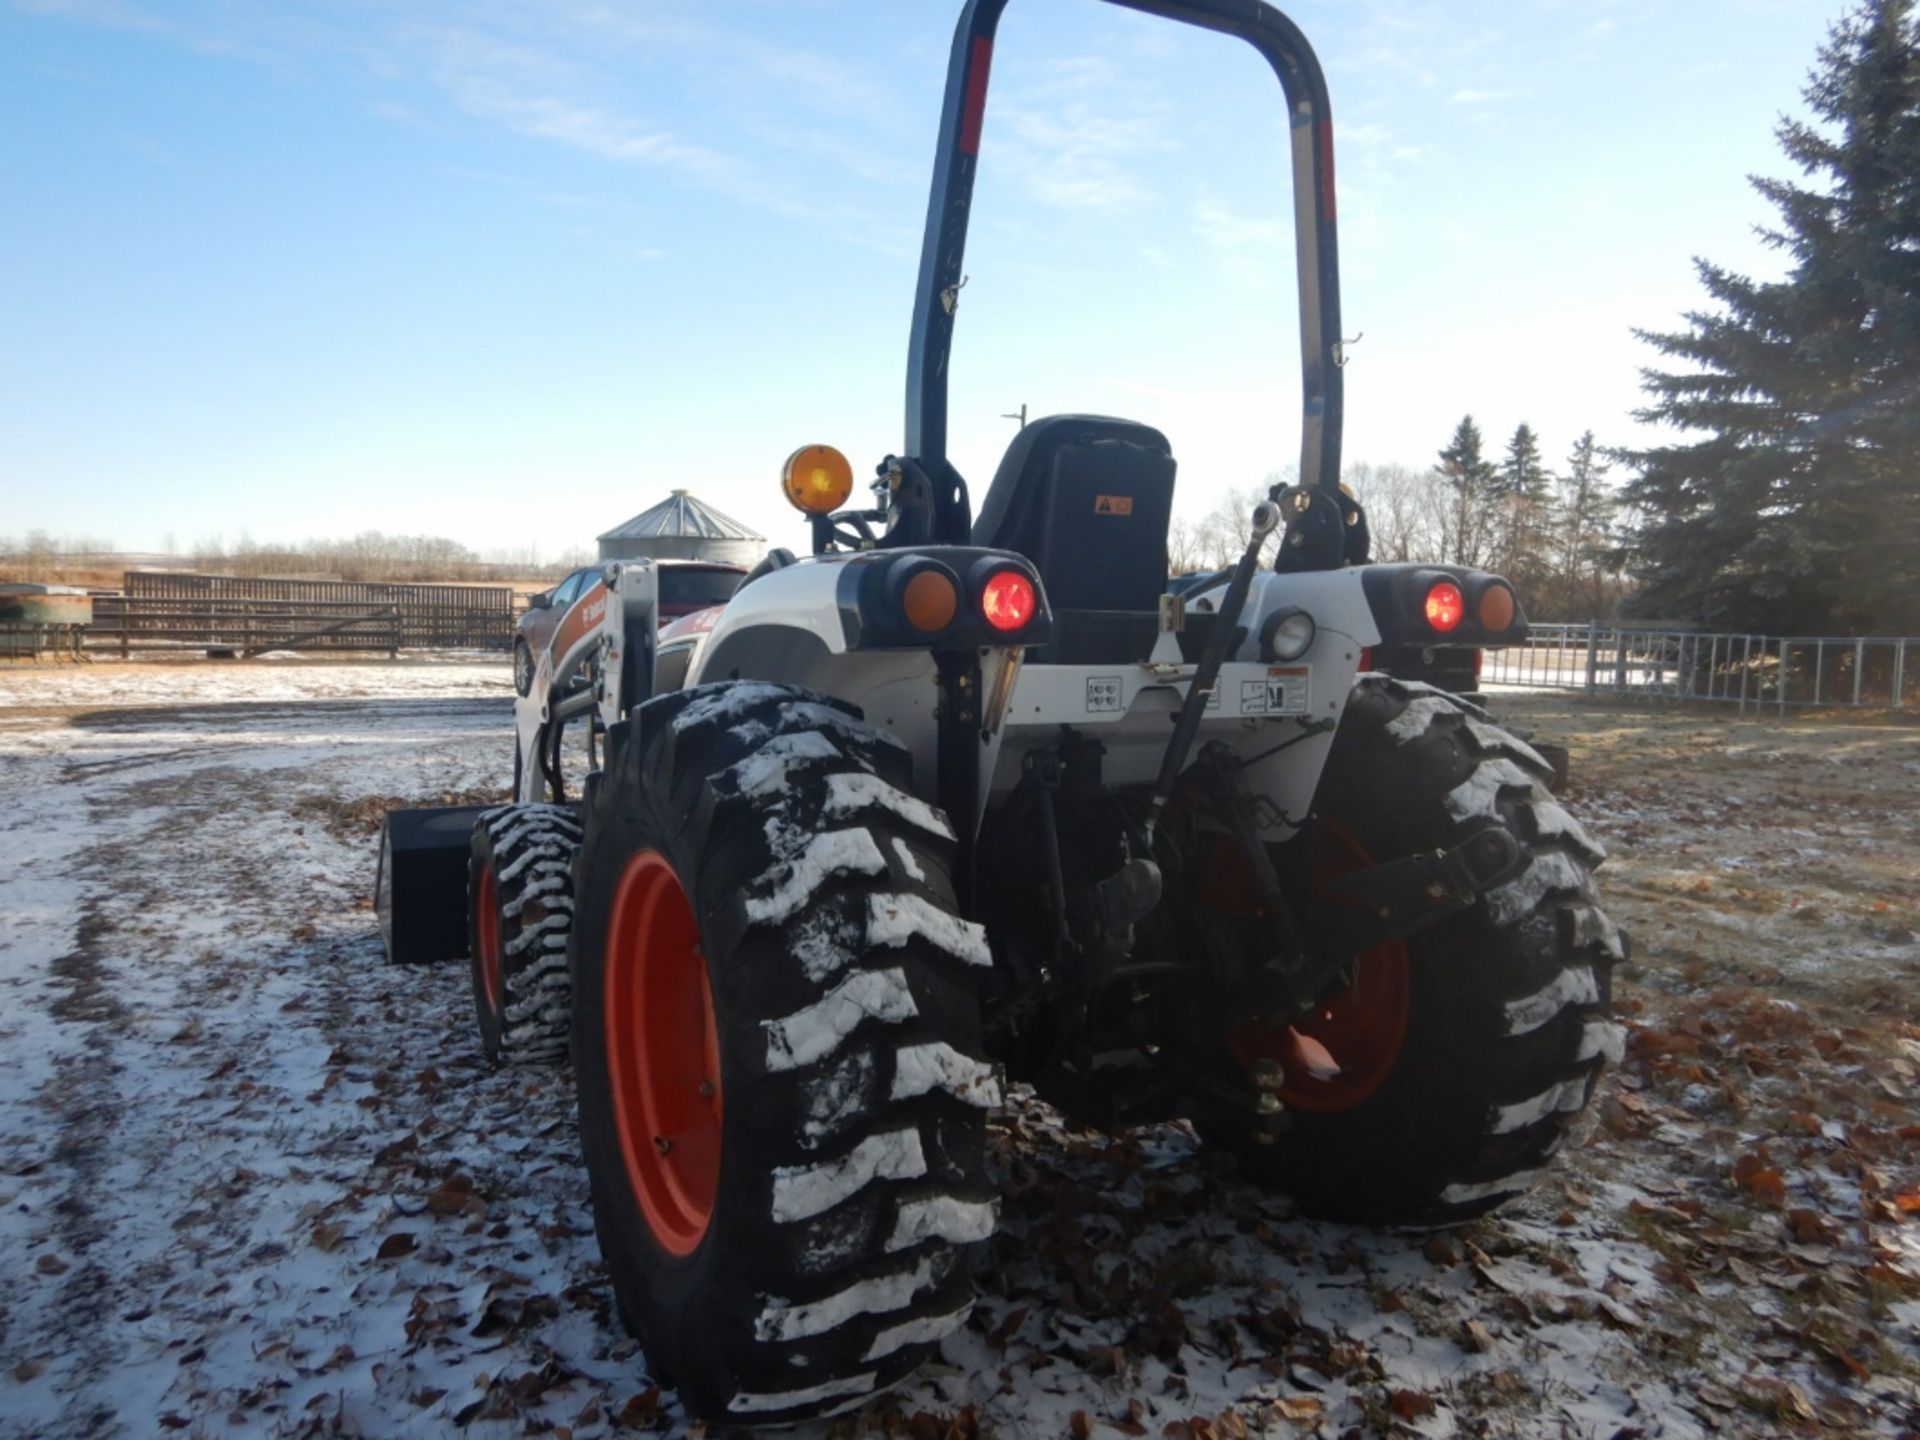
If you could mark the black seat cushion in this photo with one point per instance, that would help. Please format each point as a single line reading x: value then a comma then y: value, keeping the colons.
x: 1087, y: 499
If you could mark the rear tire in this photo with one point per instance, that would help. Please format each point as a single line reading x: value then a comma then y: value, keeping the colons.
x: 757, y: 870
x: 519, y: 909
x: 522, y: 666
x: 1506, y: 1005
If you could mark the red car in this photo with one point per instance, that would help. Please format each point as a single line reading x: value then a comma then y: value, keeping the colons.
x: 559, y: 621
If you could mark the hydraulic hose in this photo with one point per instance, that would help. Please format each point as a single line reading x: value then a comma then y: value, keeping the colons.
x: 1224, y: 639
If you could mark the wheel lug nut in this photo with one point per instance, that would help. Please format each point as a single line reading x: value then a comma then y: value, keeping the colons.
x: 662, y: 1144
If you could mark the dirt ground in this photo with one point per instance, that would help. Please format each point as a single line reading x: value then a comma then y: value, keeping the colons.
x: 254, y: 1181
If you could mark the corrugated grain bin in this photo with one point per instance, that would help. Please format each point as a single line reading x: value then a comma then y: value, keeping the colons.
x: 683, y: 528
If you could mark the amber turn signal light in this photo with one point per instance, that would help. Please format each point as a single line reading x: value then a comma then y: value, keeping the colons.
x: 1497, y: 609
x: 930, y: 601
x: 1446, y: 606
x: 817, y: 479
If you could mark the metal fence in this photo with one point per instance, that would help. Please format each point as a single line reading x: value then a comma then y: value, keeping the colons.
x: 242, y: 627
x: 251, y: 616
x: 1749, y: 671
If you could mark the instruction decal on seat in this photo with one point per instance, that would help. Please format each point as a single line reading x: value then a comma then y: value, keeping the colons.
x: 1113, y: 504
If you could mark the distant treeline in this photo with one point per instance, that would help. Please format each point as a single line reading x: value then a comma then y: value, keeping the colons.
x: 371, y: 555
x: 1554, y: 534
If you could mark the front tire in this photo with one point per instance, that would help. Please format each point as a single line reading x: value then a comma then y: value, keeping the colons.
x: 522, y: 666
x: 519, y: 908
x: 777, y: 1044
x: 1470, y: 1049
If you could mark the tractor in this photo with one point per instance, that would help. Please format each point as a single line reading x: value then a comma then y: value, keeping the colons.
x: 968, y: 797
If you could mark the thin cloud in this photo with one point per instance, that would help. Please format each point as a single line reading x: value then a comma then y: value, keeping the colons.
x: 150, y: 149
x: 1227, y: 229
x: 1076, y: 157
x: 109, y: 14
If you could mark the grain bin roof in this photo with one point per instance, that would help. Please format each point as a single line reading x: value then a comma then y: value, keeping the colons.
x: 681, y: 516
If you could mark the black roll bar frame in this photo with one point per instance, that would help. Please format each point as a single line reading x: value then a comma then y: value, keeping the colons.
x: 949, y: 209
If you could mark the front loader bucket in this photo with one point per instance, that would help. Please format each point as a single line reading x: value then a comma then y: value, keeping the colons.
x: 420, y: 891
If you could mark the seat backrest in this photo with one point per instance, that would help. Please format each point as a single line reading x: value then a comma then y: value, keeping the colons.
x: 1087, y: 499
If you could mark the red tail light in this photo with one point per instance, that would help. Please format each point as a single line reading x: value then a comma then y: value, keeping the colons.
x: 1007, y: 600
x: 1446, y: 606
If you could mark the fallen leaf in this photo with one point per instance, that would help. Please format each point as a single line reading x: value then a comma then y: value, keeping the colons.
x: 395, y: 1245
x: 1080, y: 1425
x: 452, y: 1199
x: 1753, y: 1172
x: 1477, y: 1337
x: 27, y: 1370
x: 1622, y: 1316
x: 327, y: 1235
x: 1411, y: 1404
x: 1809, y: 1228
x: 641, y: 1412
x: 1802, y: 1406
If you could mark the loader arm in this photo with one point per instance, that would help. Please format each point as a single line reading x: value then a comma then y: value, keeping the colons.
x: 949, y: 208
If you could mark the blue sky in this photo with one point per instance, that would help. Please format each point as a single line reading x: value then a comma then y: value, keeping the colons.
x: 508, y: 270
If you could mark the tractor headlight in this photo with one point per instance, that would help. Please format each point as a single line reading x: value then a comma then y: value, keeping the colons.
x: 1286, y: 635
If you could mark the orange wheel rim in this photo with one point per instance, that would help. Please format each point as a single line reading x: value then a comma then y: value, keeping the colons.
x: 663, y: 1053
x: 487, y: 918
x: 1361, y: 1028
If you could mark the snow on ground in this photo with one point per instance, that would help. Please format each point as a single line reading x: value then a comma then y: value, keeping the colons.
x: 255, y: 1181
x: 170, y: 681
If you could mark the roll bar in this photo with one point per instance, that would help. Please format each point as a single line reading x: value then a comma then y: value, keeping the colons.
x: 949, y: 208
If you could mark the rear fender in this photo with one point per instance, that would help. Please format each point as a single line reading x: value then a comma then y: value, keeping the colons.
x: 789, y: 620
x: 833, y: 624
x: 793, y: 609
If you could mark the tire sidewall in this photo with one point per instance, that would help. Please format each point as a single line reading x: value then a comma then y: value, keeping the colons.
x: 624, y: 824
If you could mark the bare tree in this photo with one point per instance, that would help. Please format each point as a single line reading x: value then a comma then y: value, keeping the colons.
x: 1406, y: 510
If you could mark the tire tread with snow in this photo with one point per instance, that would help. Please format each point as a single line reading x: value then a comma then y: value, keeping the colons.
x: 1509, y: 1027
x: 844, y: 994
x: 525, y: 1016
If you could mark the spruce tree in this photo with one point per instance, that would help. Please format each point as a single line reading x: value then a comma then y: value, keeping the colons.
x: 1793, y: 502
x: 1583, y: 531
x: 1522, y: 472
x: 1522, y: 494
x: 1471, y: 479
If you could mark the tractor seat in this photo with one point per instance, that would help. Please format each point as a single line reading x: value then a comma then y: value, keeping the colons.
x: 1087, y: 500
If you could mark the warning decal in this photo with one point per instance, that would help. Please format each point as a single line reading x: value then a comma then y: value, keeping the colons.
x: 1113, y: 504
x: 1285, y: 691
